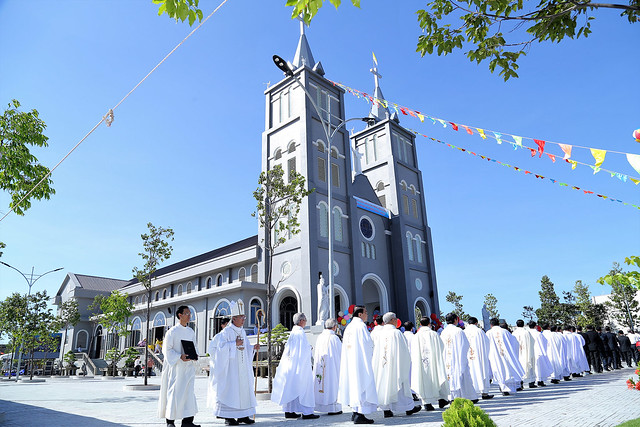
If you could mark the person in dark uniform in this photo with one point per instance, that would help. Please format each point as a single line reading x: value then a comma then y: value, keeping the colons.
x: 594, y: 346
x: 614, y: 348
x: 605, y: 351
x: 625, y: 348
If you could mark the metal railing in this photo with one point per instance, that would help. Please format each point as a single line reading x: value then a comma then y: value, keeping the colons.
x: 87, y: 360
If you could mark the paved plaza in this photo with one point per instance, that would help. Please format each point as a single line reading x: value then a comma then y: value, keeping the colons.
x: 595, y: 400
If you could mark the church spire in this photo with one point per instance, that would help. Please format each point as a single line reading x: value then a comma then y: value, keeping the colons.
x: 378, y: 111
x: 303, y: 52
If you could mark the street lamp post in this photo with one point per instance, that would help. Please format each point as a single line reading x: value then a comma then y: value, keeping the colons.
x: 33, y: 278
x: 326, y: 126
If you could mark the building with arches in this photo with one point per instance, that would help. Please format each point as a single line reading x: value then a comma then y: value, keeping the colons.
x: 382, y: 252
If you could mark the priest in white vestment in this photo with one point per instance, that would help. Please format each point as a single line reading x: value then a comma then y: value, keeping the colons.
x: 555, y: 352
x: 543, y: 366
x: 408, y: 332
x: 293, y: 383
x: 583, y: 363
x: 428, y: 373
x: 177, y: 390
x: 456, y: 349
x: 357, y: 387
x: 326, y: 369
x: 213, y: 345
x: 233, y: 371
x: 527, y: 353
x: 478, y: 356
x: 391, y: 364
x: 376, y: 329
x: 503, y: 356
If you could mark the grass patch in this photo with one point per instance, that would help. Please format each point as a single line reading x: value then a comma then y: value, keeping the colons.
x: 631, y: 423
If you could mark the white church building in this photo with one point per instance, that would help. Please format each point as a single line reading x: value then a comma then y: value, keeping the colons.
x: 382, y: 251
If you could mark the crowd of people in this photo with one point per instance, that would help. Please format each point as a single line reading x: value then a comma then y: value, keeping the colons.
x: 384, y: 369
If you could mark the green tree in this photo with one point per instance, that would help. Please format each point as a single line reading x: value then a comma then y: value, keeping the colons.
x: 278, y: 206
x: 68, y: 315
x: 528, y: 312
x: 111, y: 312
x: 456, y: 301
x: 491, y: 302
x: 180, y: 9
x: 568, y: 310
x: 549, y: 302
x: 12, y: 313
x: 20, y: 171
x: 38, y: 325
x: 590, y: 313
x: 156, y: 249
x: 624, y: 285
x: 499, y: 31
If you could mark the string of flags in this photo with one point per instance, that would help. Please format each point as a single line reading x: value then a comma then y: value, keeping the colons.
x: 515, y: 140
x: 526, y: 172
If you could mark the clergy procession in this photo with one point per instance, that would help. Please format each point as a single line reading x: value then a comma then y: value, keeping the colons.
x: 397, y: 373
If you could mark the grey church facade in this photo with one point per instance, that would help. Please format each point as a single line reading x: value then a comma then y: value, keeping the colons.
x: 382, y: 251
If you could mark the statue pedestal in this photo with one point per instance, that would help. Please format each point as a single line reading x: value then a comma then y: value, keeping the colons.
x: 313, y: 333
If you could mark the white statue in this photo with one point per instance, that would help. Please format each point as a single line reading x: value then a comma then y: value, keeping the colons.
x: 323, y: 301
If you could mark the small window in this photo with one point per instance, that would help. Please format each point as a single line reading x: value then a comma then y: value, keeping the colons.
x: 405, y: 204
x: 136, y: 301
x: 366, y: 228
x: 334, y: 152
x: 412, y: 188
x: 324, y: 221
x: 219, y: 280
x: 337, y: 225
x: 364, y: 249
x: 383, y: 201
x: 144, y: 299
x: 414, y: 208
x: 255, y: 305
x: 322, y: 170
x: 380, y: 186
x: 403, y: 185
x: 179, y: 290
x: 278, y: 154
x: 164, y: 294
x: 292, y: 147
x: 418, y: 248
x: 242, y: 274
x: 209, y: 282
x: 410, y: 245
x: 156, y: 296
x: 189, y: 287
x: 373, y: 251
x: 254, y: 273
x: 321, y: 146
x: 291, y: 164
x: 335, y: 175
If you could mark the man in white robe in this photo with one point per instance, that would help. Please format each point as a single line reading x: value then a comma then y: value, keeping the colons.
x: 580, y: 343
x: 408, y: 332
x: 357, y: 387
x: 478, y: 356
x: 543, y: 366
x: 326, y: 369
x: 428, y: 373
x: 456, y: 349
x: 376, y: 329
x: 213, y: 345
x: 177, y: 392
x: 503, y: 356
x: 293, y: 383
x: 555, y: 352
x: 391, y: 364
x: 567, y: 354
x: 233, y: 371
x: 526, y: 353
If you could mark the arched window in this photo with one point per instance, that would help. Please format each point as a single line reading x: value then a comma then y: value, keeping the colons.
x: 221, y: 311
x: 136, y: 301
x: 254, y: 306
x: 412, y: 188
x: 179, y: 293
x: 278, y: 154
x: 288, y: 307
x: 292, y: 147
x: 334, y: 152
x: 323, y: 219
x: 254, y: 273
x: 418, y: 248
x: 320, y: 146
x: 403, y: 185
x: 144, y: 299
x: 209, y: 281
x: 337, y: 224
x: 380, y: 186
x: 156, y: 296
x: 164, y: 294
x: 242, y: 274
x: 189, y: 287
x: 219, y: 280
x: 410, y: 245
x: 194, y: 318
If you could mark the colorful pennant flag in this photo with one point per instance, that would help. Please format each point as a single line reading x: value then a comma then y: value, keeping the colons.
x: 518, y: 140
x: 540, y: 143
x: 598, y: 155
x: 634, y: 161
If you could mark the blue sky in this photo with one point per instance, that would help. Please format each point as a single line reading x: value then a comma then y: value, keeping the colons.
x: 184, y: 149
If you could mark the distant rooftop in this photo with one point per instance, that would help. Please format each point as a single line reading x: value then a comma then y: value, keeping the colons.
x: 102, y: 284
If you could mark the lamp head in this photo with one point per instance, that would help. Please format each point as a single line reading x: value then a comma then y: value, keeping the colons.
x: 282, y: 65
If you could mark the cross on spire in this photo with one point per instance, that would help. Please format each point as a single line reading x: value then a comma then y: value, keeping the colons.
x: 302, y: 24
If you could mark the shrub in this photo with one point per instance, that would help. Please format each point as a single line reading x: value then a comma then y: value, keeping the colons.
x: 463, y: 413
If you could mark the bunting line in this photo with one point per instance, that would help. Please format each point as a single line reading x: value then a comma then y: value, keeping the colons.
x: 526, y: 172
x: 598, y: 154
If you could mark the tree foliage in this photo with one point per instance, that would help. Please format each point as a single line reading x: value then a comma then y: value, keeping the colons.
x: 12, y: 312
x: 528, y: 312
x: 498, y: 31
x: 277, y: 209
x: 19, y: 168
x: 456, y: 301
x: 180, y: 10
x: 568, y: 310
x: 38, y: 323
x: 590, y: 313
x: 624, y: 285
x: 549, y: 302
x: 111, y: 312
x: 68, y: 315
x: 491, y: 302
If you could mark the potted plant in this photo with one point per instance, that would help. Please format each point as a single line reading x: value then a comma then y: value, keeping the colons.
x: 70, y: 363
x: 114, y: 355
x: 130, y: 353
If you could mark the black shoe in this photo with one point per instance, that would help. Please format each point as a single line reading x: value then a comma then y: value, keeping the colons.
x: 361, y: 419
x: 541, y: 384
x: 506, y: 393
x: 335, y: 413
x: 533, y: 385
x: 231, y: 422
x: 353, y: 416
x: 414, y: 410
x: 291, y: 415
x: 310, y: 417
x: 567, y: 378
x: 170, y: 423
x: 246, y: 420
x: 429, y: 407
x: 442, y: 403
x: 607, y: 369
x: 388, y: 414
x: 486, y: 396
x: 474, y: 401
x: 188, y: 422
x: 519, y: 389
x: 555, y: 381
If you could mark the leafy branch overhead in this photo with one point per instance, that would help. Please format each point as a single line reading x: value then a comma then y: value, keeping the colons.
x: 498, y: 31
x: 180, y: 9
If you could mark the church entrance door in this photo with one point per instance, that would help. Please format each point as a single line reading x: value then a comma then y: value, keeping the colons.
x: 288, y: 307
x: 371, y: 298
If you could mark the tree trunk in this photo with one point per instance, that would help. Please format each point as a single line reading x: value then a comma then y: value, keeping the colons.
x: 31, y: 365
x: 146, y: 347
